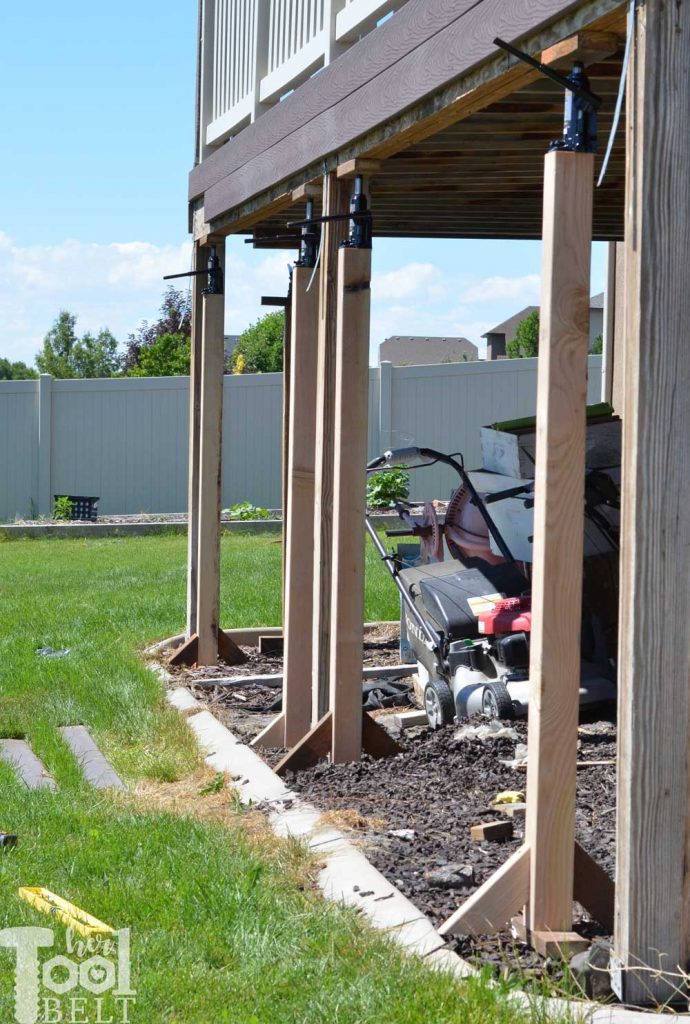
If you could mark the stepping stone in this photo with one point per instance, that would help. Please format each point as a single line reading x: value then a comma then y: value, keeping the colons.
x: 19, y: 754
x: 97, y: 770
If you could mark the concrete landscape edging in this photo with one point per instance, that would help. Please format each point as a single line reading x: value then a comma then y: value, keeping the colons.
x: 80, y: 531
x: 345, y: 866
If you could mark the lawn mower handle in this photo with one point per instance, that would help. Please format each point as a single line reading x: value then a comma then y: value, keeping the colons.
x: 409, y: 456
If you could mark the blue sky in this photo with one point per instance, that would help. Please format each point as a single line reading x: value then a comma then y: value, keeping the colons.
x: 97, y: 126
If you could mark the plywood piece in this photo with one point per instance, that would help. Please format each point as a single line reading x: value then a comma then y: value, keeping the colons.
x: 492, y: 906
x: 653, y: 868
x: 376, y: 741
x: 310, y: 749
x: 188, y: 652
x: 349, y: 502
x: 271, y: 645
x: 311, y: 190
x: 555, y: 945
x: 558, y: 539
x: 317, y: 743
x: 336, y: 199
x: 587, y: 46
x: 31, y: 771
x: 301, y: 461
x: 272, y: 736
x: 593, y: 888
x: 492, y: 831
x: 97, y: 770
x: 360, y: 165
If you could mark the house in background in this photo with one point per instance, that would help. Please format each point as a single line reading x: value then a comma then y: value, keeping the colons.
x: 497, y: 338
x: 407, y: 350
x: 230, y: 342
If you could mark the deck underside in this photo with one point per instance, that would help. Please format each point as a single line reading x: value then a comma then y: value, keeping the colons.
x: 463, y: 161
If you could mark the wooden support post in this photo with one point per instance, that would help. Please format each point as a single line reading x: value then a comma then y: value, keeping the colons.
x: 287, y: 373
x: 349, y: 501
x: 558, y: 539
x: 652, y: 928
x: 299, y: 566
x: 336, y: 198
x: 210, y: 465
x: 198, y: 284
x: 543, y: 871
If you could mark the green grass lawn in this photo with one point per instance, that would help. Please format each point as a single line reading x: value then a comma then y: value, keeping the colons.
x: 225, y: 924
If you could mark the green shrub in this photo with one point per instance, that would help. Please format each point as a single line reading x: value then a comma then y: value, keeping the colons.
x: 245, y: 510
x: 387, y: 487
x: 63, y: 508
x: 525, y: 344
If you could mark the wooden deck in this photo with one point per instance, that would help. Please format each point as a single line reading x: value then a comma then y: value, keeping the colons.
x: 460, y: 128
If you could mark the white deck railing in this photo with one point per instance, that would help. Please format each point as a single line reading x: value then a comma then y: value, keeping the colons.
x: 255, y: 51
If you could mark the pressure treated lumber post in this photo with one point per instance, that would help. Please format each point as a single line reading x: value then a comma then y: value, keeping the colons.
x: 558, y: 539
x: 349, y: 502
x: 198, y: 283
x: 299, y: 566
x: 653, y: 818
x: 287, y: 372
x: 211, y: 424
x: 336, y: 199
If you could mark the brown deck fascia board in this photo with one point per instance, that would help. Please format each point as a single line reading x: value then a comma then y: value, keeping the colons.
x: 382, y: 113
x: 417, y: 21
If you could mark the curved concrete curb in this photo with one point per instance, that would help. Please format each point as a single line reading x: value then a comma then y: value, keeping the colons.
x: 78, y: 531
x: 346, y: 873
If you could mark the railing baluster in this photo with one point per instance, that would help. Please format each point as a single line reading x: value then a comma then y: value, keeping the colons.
x: 238, y: 59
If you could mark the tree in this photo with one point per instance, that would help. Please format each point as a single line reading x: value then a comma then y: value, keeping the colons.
x: 260, y: 348
x: 598, y: 345
x: 16, y: 371
x: 168, y: 356
x: 526, y: 340
x: 169, y: 359
x: 65, y: 355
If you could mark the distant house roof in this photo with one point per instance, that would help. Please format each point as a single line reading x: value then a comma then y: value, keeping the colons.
x: 510, y: 326
x: 402, y: 350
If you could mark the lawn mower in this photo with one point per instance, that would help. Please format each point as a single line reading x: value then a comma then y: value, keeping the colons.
x: 468, y: 617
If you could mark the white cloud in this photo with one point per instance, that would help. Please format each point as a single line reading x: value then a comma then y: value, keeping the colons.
x: 412, y: 280
x: 119, y: 284
x: 524, y: 290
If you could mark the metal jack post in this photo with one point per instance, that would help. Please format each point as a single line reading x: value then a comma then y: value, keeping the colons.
x: 581, y: 104
x: 360, y: 223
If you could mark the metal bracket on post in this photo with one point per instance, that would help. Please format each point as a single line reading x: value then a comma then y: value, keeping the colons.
x: 214, y: 271
x: 581, y: 104
x: 359, y: 217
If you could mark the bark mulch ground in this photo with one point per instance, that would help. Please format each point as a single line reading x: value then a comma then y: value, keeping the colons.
x: 413, y: 813
x: 433, y: 793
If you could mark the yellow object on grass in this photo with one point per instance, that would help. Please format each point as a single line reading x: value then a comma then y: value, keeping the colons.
x: 509, y: 796
x: 78, y: 920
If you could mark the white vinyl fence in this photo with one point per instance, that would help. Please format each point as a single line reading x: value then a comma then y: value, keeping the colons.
x: 125, y: 440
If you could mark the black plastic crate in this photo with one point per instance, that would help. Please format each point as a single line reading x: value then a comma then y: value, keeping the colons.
x: 84, y: 508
